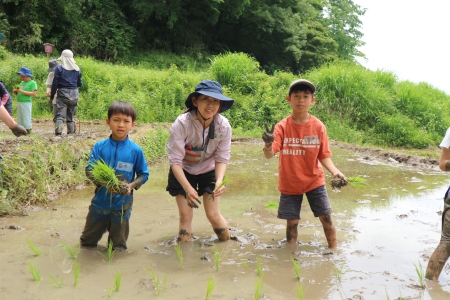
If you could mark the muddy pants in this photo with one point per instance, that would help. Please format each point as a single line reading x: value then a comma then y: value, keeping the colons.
x: 66, y: 105
x: 98, y: 221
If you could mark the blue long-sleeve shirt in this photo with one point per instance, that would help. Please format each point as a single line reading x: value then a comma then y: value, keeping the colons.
x: 65, y: 79
x: 128, y: 161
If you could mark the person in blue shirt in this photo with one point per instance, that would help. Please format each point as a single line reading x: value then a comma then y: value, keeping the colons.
x: 6, y: 99
x: 110, y: 211
x: 66, y: 81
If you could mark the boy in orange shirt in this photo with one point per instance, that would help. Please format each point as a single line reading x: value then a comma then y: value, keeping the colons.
x: 302, y: 143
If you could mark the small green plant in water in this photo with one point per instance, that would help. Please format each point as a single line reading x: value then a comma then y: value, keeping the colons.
x: 244, y: 263
x: 356, y: 181
x: 339, y: 271
x: 56, y: 282
x: 259, y: 288
x: 259, y: 267
x: 73, y: 252
x: 300, y: 292
x: 35, y: 250
x: 158, y: 288
x: 272, y: 204
x: 76, y: 273
x: 296, y: 268
x: 179, y: 254
x: 217, y: 255
x: 117, y: 281
x: 109, y: 253
x: 210, y: 286
x: 420, y: 274
x: 219, y: 187
x: 34, y: 272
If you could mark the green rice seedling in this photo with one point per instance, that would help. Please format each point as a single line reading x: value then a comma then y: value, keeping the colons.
x: 73, y: 252
x: 179, y: 254
x: 387, y: 295
x: 420, y: 274
x: 300, y: 292
x: 56, y: 282
x: 219, y: 187
x: 105, y: 175
x: 34, y: 271
x: 35, y: 250
x: 244, y: 263
x: 217, y: 255
x: 156, y: 281
x: 271, y: 204
x: 210, y: 286
x: 109, y: 252
x: 296, y: 268
x: 356, y: 181
x: 117, y: 281
x: 259, y: 288
x: 339, y: 271
x: 76, y: 273
x: 259, y: 267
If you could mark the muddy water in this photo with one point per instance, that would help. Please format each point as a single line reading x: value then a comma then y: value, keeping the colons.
x: 384, y: 228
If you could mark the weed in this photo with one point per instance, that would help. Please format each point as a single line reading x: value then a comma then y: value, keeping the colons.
x: 110, y: 252
x: 259, y: 288
x: 179, y: 254
x: 34, y: 271
x: 73, y: 252
x: 117, y: 281
x: 76, y: 273
x: 259, y: 267
x: 210, y: 286
x: 296, y: 268
x: 56, y: 282
x: 420, y: 274
x: 156, y: 281
x: 35, y: 250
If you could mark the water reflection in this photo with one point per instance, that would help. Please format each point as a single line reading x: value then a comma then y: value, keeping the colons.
x: 384, y: 227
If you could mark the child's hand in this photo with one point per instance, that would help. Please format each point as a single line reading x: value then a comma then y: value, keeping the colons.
x: 191, y: 197
x: 268, y: 134
x: 15, y: 91
x: 340, y: 176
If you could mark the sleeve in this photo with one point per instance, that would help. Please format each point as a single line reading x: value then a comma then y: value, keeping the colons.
x: 278, y: 135
x: 446, y: 141
x: 142, y: 171
x: 55, y: 82
x: 33, y: 86
x: 49, y: 80
x: 223, y: 150
x: 176, y: 144
x: 80, y: 81
x: 324, y: 151
x: 4, y: 95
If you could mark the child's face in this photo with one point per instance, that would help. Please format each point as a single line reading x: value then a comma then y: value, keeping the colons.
x: 120, y: 125
x: 301, y: 101
x: 207, y: 106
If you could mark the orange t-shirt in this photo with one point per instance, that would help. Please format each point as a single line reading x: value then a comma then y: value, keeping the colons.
x: 300, y: 147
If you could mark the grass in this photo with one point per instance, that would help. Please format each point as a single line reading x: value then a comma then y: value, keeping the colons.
x: 296, y: 268
x: 210, y: 286
x: 259, y: 266
x: 73, y: 252
x: 179, y: 254
x: 117, y: 280
x: 56, y: 282
x: 271, y: 204
x: 159, y: 288
x: 35, y: 250
x: 420, y: 274
x: 259, y: 288
x: 217, y: 255
x: 34, y: 272
x: 76, y: 273
x: 109, y: 252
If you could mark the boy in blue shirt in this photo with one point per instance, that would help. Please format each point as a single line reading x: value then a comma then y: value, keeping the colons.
x: 127, y: 159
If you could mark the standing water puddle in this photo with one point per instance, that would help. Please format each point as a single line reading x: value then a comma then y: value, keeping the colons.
x: 384, y: 227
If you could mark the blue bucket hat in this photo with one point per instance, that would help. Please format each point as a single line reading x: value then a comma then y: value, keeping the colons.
x: 25, y: 72
x: 212, y: 89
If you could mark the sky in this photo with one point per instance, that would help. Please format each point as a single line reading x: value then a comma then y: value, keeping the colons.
x: 410, y: 38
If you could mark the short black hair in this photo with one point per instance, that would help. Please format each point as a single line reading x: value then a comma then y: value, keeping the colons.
x: 300, y: 88
x: 121, y: 107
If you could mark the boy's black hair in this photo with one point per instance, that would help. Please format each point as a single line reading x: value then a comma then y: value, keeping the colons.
x: 300, y: 88
x: 121, y: 107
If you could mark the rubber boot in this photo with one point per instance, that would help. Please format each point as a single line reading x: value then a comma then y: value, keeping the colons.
x: 70, y: 127
x: 59, y: 127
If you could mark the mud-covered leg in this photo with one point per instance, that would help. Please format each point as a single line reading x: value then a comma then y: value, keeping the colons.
x: 218, y: 222
x: 291, y: 231
x: 185, y: 233
x: 437, y: 260
x: 329, y: 230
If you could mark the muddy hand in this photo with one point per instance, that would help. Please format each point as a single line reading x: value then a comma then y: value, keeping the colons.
x: 191, y: 202
x: 19, y: 130
x: 268, y: 135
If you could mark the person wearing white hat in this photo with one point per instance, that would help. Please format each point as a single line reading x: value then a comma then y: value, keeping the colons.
x: 66, y: 81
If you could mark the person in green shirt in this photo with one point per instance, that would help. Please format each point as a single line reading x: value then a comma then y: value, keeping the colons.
x: 28, y: 88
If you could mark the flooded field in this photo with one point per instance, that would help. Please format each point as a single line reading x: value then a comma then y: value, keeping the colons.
x: 385, y: 227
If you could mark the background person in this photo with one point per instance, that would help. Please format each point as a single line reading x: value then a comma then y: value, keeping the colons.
x: 6, y: 98
x: 28, y: 88
x: 52, y: 64
x: 199, y: 150
x: 66, y: 81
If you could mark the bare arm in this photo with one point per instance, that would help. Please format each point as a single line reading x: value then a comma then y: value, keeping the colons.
x: 268, y: 152
x: 32, y: 93
x: 444, y: 163
x: 329, y: 165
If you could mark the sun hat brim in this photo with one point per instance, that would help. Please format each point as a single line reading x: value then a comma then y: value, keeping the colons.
x: 225, y: 105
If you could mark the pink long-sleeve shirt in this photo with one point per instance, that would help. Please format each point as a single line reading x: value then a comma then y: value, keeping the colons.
x: 187, y: 131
